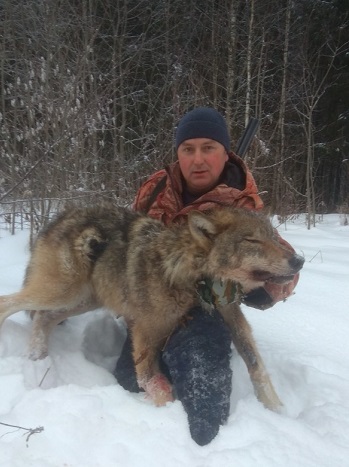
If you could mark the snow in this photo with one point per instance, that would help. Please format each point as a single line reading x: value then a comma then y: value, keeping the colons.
x: 88, y: 420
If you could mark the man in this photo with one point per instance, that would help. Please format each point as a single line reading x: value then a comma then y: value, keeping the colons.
x: 196, y: 357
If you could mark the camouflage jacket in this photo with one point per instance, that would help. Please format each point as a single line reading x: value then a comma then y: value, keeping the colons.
x: 236, y: 188
x: 161, y: 196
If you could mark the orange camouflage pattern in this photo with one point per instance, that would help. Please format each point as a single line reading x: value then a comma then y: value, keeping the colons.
x: 168, y: 206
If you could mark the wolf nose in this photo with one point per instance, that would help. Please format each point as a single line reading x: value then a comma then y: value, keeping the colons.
x: 296, y: 262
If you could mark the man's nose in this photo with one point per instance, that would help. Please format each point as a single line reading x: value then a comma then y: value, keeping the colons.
x: 198, y: 156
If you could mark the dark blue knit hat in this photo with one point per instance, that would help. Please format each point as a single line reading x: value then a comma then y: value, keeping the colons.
x: 203, y: 122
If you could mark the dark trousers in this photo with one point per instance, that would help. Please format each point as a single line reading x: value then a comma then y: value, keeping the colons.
x: 196, y: 359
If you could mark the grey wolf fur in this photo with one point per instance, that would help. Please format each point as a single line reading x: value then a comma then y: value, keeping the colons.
x: 137, y: 268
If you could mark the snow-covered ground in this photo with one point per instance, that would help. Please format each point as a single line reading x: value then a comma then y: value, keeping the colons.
x: 88, y: 420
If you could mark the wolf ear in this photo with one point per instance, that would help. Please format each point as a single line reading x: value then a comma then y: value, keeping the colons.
x: 201, y: 227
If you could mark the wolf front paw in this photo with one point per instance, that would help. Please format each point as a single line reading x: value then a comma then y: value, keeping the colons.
x: 275, y: 405
x: 159, y: 390
x: 267, y: 395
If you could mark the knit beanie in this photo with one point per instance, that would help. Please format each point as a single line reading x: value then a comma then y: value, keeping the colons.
x: 203, y: 122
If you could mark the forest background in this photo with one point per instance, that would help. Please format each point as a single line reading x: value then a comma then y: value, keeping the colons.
x: 91, y: 92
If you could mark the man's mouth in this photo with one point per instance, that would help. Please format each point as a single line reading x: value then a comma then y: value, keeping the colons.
x: 199, y: 172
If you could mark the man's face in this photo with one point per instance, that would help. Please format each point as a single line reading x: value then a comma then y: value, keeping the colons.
x: 201, y: 161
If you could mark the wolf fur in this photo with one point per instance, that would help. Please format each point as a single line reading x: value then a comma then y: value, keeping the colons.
x: 137, y: 268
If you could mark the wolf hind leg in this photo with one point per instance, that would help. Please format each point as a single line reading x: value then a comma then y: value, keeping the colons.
x: 43, y: 323
x: 52, y: 302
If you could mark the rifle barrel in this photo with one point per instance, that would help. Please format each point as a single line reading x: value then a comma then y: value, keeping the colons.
x: 247, y: 137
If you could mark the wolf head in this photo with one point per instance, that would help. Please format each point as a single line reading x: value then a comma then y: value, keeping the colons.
x: 242, y: 246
